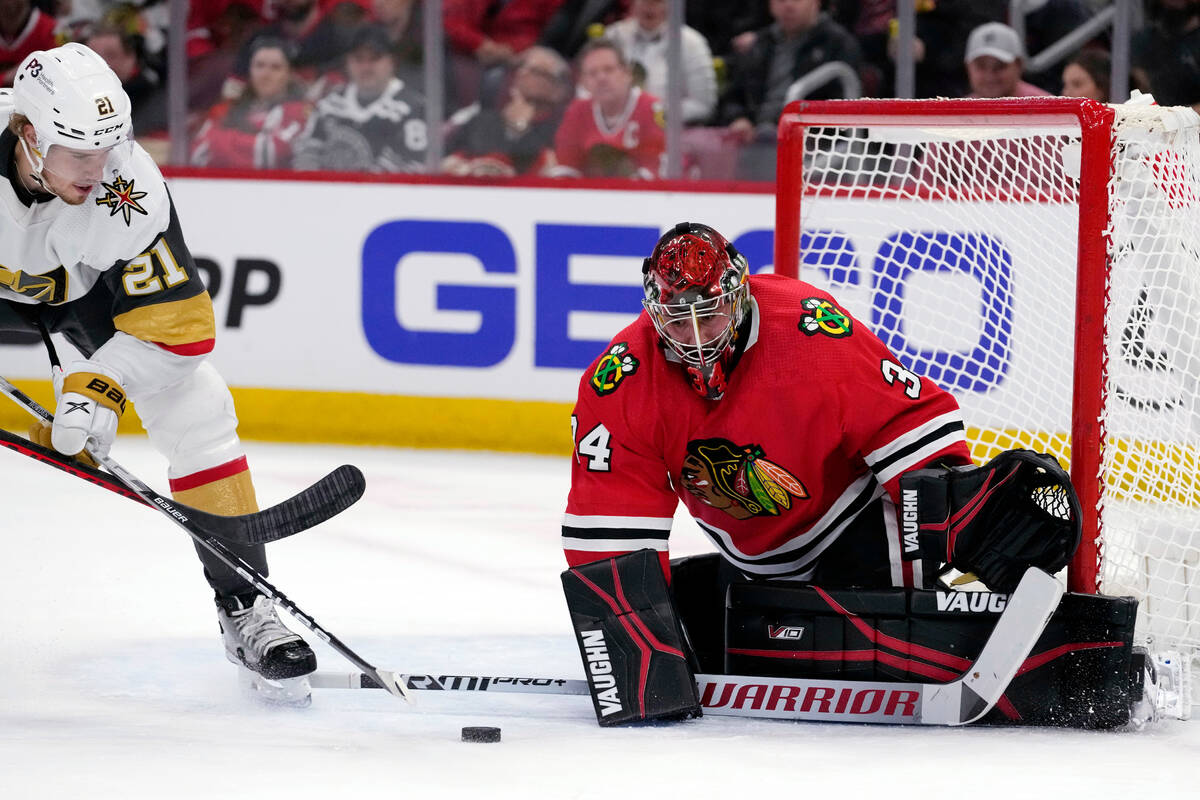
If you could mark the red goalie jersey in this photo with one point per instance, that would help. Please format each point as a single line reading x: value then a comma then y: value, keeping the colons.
x: 795, y: 468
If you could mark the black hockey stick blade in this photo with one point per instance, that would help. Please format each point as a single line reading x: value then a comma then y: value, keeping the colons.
x: 326, y: 498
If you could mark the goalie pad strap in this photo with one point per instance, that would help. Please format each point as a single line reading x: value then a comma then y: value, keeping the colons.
x: 633, y: 652
x: 101, y: 388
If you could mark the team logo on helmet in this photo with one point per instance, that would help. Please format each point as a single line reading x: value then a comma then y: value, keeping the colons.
x: 825, y: 318
x: 738, y: 479
x: 122, y: 198
x: 613, y: 368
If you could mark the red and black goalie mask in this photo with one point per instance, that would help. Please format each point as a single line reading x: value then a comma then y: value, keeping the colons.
x: 697, y: 297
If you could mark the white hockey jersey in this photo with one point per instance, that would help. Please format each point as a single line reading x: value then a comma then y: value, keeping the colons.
x: 125, y: 233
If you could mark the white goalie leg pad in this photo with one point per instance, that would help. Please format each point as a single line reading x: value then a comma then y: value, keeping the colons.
x: 192, y: 422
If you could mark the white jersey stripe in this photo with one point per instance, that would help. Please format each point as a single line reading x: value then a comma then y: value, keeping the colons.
x: 906, y: 439
x: 613, y: 545
x: 917, y: 456
x: 590, y: 521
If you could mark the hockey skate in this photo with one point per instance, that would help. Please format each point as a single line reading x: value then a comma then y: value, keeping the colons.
x: 273, y: 663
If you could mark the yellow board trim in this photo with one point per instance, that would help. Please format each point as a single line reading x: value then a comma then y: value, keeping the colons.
x: 1144, y: 471
x: 361, y: 418
x: 174, y: 323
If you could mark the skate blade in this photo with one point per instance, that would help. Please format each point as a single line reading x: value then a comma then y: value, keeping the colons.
x: 286, y: 693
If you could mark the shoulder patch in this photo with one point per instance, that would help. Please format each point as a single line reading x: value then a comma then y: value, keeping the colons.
x: 824, y: 317
x: 613, y: 368
x: 122, y: 197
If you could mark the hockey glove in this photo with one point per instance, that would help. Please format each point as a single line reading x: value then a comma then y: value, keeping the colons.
x: 40, y: 434
x: 90, y: 403
x: 1017, y: 511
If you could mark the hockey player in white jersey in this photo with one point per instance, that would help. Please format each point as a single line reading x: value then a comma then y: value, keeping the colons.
x: 91, y: 248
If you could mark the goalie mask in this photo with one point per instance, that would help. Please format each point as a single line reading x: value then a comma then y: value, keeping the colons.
x: 697, y: 297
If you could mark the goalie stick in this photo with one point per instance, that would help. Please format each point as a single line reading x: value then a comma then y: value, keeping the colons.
x: 209, y: 541
x: 958, y: 702
x: 326, y: 498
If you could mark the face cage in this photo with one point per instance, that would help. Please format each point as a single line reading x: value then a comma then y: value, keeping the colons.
x: 699, y: 353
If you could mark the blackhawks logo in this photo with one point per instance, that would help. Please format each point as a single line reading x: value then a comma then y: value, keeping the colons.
x: 738, y: 479
x: 614, y: 367
x: 121, y: 198
x: 825, y: 318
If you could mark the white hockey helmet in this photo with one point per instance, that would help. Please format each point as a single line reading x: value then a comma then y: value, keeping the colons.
x: 72, y: 98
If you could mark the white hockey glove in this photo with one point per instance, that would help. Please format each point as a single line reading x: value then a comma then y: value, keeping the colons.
x: 90, y: 403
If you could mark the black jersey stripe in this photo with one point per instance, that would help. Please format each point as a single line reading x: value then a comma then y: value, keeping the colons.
x: 613, y: 533
x: 899, y: 455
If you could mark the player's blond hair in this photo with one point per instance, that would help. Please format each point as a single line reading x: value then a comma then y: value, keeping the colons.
x: 17, y: 123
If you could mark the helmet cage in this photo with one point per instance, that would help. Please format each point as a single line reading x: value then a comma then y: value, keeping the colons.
x: 691, y: 329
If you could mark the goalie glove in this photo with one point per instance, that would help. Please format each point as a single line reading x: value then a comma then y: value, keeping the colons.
x: 90, y: 403
x: 1017, y: 511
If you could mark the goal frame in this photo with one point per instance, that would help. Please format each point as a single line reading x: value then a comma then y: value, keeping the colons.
x: 1095, y: 122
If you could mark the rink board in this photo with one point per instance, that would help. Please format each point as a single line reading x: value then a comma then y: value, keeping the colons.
x: 455, y: 315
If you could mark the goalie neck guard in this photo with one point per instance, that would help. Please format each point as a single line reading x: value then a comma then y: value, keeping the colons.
x: 697, y: 296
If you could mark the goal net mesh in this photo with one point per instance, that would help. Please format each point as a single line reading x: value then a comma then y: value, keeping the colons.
x: 957, y: 240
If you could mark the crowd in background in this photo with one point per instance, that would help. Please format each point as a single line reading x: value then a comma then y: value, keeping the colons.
x: 567, y: 87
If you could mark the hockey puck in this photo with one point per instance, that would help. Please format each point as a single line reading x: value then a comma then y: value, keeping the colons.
x: 481, y: 734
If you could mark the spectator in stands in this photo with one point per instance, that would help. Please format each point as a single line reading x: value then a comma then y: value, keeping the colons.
x: 643, y: 38
x: 321, y: 39
x: 212, y: 73
x: 1047, y: 21
x: 723, y: 23
x: 494, y: 33
x: 800, y: 40
x: 617, y: 129
x: 23, y: 29
x: 939, y: 46
x: 403, y: 21
x: 576, y: 21
x: 375, y: 123
x: 513, y: 135
x: 1166, y: 52
x: 1087, y: 74
x: 147, y: 91
x: 257, y: 130
x: 484, y: 36
x: 995, y: 58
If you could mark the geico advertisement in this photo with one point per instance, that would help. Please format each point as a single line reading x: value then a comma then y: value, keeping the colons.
x: 508, y: 293
x: 433, y: 290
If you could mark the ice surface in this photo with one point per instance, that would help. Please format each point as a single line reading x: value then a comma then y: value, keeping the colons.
x: 113, y: 683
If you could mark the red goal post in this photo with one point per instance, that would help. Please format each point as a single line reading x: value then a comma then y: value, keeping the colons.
x: 1040, y: 258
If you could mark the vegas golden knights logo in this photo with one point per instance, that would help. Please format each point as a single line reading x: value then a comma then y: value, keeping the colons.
x: 104, y: 106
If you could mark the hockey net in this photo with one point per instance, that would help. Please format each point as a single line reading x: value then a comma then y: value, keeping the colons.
x: 1039, y: 258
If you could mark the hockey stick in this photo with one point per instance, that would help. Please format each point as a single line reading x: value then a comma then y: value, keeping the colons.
x: 210, y: 542
x: 958, y: 702
x: 326, y: 498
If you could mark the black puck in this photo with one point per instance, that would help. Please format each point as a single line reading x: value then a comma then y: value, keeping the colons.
x: 481, y: 734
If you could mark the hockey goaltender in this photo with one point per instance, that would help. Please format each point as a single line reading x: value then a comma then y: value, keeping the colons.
x: 838, y: 490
